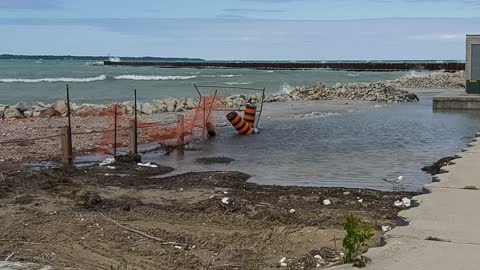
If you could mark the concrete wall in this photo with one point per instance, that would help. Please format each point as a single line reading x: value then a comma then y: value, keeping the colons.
x: 456, y: 101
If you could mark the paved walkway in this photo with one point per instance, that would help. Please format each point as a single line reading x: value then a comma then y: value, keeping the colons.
x: 449, y: 212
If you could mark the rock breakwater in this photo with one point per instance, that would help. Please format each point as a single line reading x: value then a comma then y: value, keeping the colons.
x: 388, y: 91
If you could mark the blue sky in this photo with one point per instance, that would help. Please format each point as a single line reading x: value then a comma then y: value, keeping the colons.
x: 241, y: 29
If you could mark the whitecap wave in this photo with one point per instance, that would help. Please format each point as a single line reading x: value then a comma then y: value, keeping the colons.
x: 98, y: 63
x: 100, y: 78
x: 417, y: 74
x: 353, y: 75
x: 286, y: 89
x: 238, y: 83
x: 153, y: 77
x: 222, y: 76
x: 88, y: 79
x: 230, y: 75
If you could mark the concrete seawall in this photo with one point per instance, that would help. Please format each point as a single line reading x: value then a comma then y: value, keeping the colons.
x: 449, y: 213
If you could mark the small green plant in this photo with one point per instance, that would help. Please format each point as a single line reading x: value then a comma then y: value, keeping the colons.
x: 431, y: 238
x: 122, y: 266
x: 356, y: 234
x: 471, y: 187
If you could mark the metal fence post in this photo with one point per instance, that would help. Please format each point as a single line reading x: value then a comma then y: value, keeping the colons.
x: 115, y: 132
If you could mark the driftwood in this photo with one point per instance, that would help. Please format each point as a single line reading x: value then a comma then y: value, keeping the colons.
x: 10, y: 256
x: 140, y: 232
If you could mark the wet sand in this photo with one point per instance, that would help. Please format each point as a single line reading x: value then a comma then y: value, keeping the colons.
x: 91, y: 219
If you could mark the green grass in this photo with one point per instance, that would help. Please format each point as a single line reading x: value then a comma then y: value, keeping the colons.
x: 122, y: 266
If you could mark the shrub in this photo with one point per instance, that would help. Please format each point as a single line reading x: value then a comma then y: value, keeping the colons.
x: 356, y: 234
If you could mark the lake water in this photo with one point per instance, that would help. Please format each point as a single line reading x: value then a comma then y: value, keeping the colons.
x: 351, y: 149
x: 44, y: 80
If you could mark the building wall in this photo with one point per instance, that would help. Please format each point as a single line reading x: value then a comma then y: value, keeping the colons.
x: 473, y: 57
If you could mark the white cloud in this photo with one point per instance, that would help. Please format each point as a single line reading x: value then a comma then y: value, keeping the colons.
x: 442, y: 36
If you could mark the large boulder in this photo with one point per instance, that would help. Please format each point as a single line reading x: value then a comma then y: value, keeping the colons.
x: 10, y: 113
x: 61, y: 107
x: 149, y: 108
x: 171, y: 104
x: 49, y: 112
x: 21, y: 107
x: 2, y: 109
x: 86, y: 111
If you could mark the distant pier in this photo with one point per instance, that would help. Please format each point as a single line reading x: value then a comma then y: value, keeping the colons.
x: 355, y: 66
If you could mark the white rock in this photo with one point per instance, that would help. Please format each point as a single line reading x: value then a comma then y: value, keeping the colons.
x: 327, y: 202
x: 360, y: 201
x: 398, y: 203
x: 282, y: 260
x: 292, y: 211
x: 346, y: 193
x: 178, y: 247
x: 283, y: 264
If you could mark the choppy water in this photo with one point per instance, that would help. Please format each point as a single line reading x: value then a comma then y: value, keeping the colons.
x: 44, y: 80
x: 351, y: 149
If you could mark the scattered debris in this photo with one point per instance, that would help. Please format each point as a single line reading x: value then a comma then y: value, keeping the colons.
x: 107, y: 161
x: 111, y: 167
x: 226, y: 200
x: 386, y: 228
x: 405, y: 202
x: 431, y: 238
x: 361, y: 261
x: 283, y: 262
x: 149, y: 164
x: 138, y: 232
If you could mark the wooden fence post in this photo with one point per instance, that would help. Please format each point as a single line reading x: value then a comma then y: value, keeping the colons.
x: 66, y: 146
x: 180, y: 130
x: 132, y: 139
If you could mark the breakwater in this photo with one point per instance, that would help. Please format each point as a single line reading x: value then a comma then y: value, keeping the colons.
x: 354, y: 66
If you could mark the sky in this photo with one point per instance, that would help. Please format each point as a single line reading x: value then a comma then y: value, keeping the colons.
x: 241, y: 29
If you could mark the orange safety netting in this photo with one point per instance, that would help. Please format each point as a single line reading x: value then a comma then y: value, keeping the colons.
x: 197, y: 124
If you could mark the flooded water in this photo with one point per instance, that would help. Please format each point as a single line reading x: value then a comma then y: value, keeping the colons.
x: 351, y: 150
